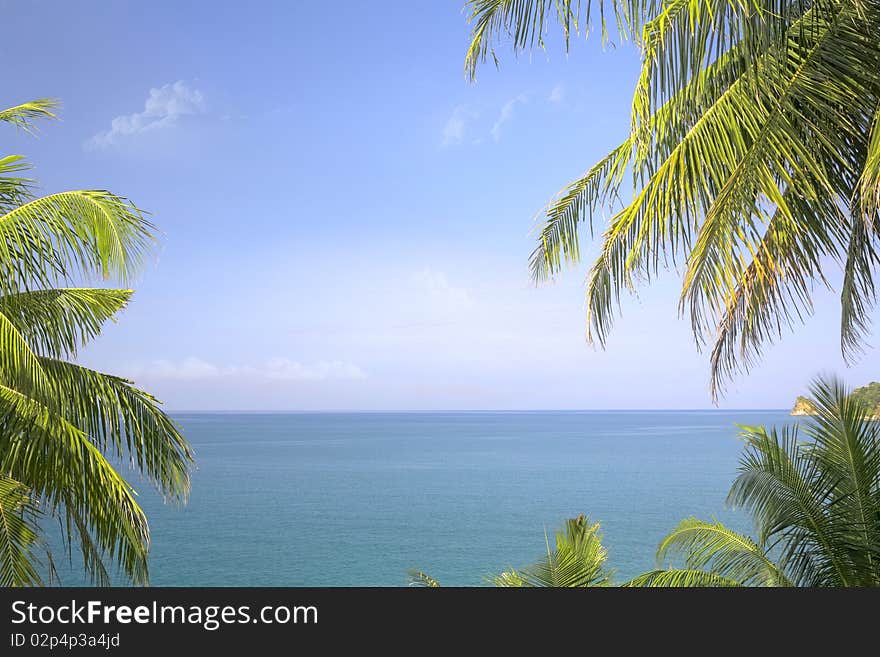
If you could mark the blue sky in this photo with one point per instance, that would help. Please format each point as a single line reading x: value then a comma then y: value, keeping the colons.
x: 346, y: 221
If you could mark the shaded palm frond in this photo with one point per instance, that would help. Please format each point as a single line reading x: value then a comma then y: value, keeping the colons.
x: 22, y: 549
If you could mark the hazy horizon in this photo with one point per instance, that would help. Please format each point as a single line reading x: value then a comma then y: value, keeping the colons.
x: 440, y: 411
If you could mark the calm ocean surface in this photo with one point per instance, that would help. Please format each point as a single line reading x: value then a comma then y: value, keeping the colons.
x: 315, y: 499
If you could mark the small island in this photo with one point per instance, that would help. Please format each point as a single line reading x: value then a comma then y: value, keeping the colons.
x: 869, y: 395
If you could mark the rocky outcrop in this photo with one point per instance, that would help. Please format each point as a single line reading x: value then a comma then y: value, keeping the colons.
x: 802, y: 406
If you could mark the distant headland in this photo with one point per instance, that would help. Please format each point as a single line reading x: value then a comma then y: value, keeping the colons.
x: 868, y: 395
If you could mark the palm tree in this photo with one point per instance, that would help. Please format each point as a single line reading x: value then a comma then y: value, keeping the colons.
x: 754, y: 155
x: 62, y: 424
x: 578, y: 561
x: 816, y: 506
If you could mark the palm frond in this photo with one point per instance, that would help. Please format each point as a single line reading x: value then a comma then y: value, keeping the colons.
x: 846, y: 446
x: 680, y: 578
x: 714, y: 548
x: 22, y: 116
x: 858, y: 293
x: 508, y: 579
x: 578, y: 560
x: 558, y: 242
x: 71, y: 234
x: 787, y: 494
x: 58, y: 322
x: 64, y: 468
x: 753, y: 146
x: 765, y: 151
x: 22, y: 549
x: 771, y: 294
x: 123, y: 420
x: 420, y: 579
x: 14, y: 190
x: 525, y: 22
x: 869, y: 183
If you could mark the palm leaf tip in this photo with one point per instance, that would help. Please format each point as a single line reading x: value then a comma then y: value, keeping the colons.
x: 23, y: 116
x: 421, y: 579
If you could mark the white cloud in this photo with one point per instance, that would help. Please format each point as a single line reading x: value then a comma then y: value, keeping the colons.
x: 434, y: 288
x: 456, y: 125
x: 193, y: 369
x: 284, y: 368
x: 187, y: 369
x: 557, y: 95
x: 505, y: 115
x: 163, y: 107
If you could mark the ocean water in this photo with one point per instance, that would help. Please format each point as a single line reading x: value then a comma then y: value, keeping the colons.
x: 357, y: 499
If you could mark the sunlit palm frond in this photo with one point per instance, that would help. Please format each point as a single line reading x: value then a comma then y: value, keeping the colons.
x: 869, y: 191
x: 64, y: 468
x: 14, y: 189
x: 420, y: 579
x: 508, y: 579
x: 124, y: 421
x: 771, y: 293
x: 764, y: 150
x: 525, y: 22
x: 19, y: 365
x: 72, y: 234
x: 749, y: 119
x: 577, y: 560
x: 559, y: 241
x: 60, y: 422
x: 58, y: 322
x: 22, y: 116
x: 680, y: 578
x: 714, y: 548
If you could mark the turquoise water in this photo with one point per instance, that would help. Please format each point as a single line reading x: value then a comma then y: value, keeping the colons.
x: 314, y: 499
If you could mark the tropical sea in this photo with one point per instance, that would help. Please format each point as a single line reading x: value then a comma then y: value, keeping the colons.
x: 357, y: 499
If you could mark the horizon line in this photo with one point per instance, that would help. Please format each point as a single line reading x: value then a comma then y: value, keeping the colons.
x: 478, y: 410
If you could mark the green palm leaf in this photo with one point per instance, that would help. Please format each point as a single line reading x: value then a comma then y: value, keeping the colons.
x: 63, y: 467
x: 62, y: 236
x: 525, y: 22
x: 418, y: 578
x: 22, y: 116
x: 124, y: 421
x: 680, y: 578
x: 578, y: 560
x: 58, y: 322
x: 714, y: 548
x: 21, y: 547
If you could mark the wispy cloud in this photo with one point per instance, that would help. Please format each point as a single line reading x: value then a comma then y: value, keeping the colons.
x: 193, y: 369
x: 434, y: 288
x: 291, y: 370
x: 557, y: 95
x: 456, y: 125
x: 163, y: 108
x: 506, y: 114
